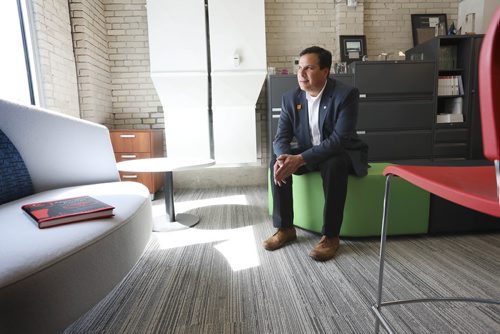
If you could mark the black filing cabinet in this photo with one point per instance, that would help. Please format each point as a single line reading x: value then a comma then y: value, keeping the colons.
x: 396, y: 108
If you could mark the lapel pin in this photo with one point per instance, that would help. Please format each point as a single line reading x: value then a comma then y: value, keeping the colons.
x: 324, y: 107
x: 299, y: 106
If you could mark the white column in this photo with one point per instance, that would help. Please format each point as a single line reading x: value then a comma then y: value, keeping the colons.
x: 178, y: 53
x: 238, y: 61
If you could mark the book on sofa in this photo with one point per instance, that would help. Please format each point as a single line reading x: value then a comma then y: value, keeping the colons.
x: 68, y: 210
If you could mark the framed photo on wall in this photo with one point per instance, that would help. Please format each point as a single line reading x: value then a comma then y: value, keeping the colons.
x: 352, y: 47
x: 427, y: 26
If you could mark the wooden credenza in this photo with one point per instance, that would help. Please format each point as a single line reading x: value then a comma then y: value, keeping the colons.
x: 139, y: 144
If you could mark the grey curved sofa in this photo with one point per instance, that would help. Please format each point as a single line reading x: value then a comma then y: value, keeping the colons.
x: 50, y: 277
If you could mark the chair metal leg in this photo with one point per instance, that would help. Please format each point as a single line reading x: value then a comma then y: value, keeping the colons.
x: 377, y: 307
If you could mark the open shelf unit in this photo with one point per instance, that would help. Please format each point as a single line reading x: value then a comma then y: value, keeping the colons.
x: 457, y: 133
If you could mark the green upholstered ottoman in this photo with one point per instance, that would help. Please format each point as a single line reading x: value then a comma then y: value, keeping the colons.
x: 364, y: 204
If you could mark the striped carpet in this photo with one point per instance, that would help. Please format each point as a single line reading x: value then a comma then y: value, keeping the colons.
x: 216, y: 278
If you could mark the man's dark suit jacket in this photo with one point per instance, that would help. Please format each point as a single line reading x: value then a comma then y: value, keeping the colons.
x: 338, y: 113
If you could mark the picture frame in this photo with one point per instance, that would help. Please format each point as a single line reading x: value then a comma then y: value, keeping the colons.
x: 352, y: 48
x: 427, y: 26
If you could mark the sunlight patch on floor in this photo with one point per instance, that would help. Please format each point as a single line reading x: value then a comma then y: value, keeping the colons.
x: 241, y: 250
x: 238, y: 245
x: 183, y: 206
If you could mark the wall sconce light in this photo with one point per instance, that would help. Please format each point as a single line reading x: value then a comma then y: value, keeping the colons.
x: 352, y: 3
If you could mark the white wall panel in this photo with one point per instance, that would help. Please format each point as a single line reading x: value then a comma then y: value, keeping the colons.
x: 177, y: 44
x: 177, y: 36
x: 178, y: 54
x: 238, y: 61
x: 237, y: 27
x: 186, y: 113
x: 234, y: 95
x: 236, y: 88
x: 234, y: 134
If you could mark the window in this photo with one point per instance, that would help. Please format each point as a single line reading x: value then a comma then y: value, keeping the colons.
x: 17, y: 80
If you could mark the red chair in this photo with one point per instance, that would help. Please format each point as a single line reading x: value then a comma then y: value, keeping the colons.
x: 477, y: 188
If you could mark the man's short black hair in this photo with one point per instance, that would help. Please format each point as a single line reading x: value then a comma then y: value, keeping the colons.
x: 325, y: 56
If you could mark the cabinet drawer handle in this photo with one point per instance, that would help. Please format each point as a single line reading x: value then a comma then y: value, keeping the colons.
x: 276, y: 116
x: 128, y: 156
x: 361, y: 132
x: 129, y: 176
x: 127, y: 136
x: 276, y: 109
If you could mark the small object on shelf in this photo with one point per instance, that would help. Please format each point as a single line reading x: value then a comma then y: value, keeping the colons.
x: 450, y: 118
x: 383, y: 56
x: 452, y: 30
x: 68, y: 210
x: 340, y: 68
x: 450, y: 85
x: 415, y: 56
x: 295, y: 65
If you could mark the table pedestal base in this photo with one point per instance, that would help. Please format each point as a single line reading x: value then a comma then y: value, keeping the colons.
x: 170, y: 221
x: 187, y: 219
x: 182, y: 221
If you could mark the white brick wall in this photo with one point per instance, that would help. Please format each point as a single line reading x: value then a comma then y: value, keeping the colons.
x: 56, y: 61
x: 293, y: 25
x: 135, y: 102
x: 90, y: 42
x: 110, y: 54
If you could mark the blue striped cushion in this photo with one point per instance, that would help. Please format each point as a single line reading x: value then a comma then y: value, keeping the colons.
x: 15, y: 181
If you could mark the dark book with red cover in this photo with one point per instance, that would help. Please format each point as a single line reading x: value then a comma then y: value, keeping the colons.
x: 68, y: 210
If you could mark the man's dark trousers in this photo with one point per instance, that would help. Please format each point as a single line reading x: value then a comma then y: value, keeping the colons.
x: 334, y: 173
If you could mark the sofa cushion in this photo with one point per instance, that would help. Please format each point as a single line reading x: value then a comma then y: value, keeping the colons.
x: 25, y: 249
x: 15, y: 181
x: 53, y: 276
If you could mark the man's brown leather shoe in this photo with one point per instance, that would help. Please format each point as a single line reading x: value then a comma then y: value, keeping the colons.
x: 325, y: 249
x: 280, y: 238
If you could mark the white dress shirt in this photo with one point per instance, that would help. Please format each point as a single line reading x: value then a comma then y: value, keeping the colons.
x: 313, y: 110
